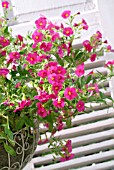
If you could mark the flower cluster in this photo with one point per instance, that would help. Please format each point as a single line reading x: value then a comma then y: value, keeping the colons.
x: 43, y: 76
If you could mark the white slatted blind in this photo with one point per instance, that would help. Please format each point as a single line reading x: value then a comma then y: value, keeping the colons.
x: 92, y: 133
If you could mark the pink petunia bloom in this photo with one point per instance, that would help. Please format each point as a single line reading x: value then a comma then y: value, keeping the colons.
x: 80, y: 70
x: 98, y: 35
x: 46, y: 47
x: 20, y: 38
x: 55, y: 36
x: 4, y: 42
x: 4, y: 72
x: 52, y: 78
x: 61, y: 70
x: 32, y: 58
x: 56, y: 87
x: 22, y: 105
x: 41, y: 110
x: 67, y: 31
x: 93, y: 57
x: 5, y: 4
x: 18, y: 85
x: 42, y: 73
x: 41, y: 23
x: 80, y: 106
x: 67, y: 157
x: 84, y: 25
x: 37, y: 36
x: 66, y: 14
x: 52, y: 69
x: 87, y: 45
x: 14, y: 55
x: 42, y: 97
x: 60, y: 52
x: 70, y: 93
x: 59, y: 103
x: 68, y: 146
x: 109, y: 48
x: 109, y: 63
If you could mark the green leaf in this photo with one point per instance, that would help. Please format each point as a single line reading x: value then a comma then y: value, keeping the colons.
x: 88, y: 79
x: 9, y: 149
x: 28, y: 121
x: 20, y: 123
x: 78, y: 56
x: 68, y: 122
x: 59, y: 60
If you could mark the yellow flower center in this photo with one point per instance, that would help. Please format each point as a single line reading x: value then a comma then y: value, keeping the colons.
x: 69, y: 93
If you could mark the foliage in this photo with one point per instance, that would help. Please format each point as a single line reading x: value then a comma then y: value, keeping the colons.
x: 43, y: 76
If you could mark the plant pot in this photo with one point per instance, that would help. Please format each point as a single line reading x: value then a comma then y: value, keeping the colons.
x: 106, y: 10
x: 25, y: 145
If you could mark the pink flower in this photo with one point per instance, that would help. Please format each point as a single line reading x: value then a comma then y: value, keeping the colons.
x: 93, y: 57
x: 70, y: 93
x: 80, y: 106
x: 43, y: 97
x: 98, y: 35
x: 60, y: 52
x: 46, y: 47
x: 41, y: 110
x: 109, y: 63
x: 4, y: 42
x: 67, y: 157
x: 67, y: 31
x: 68, y: 146
x: 66, y: 14
x: 18, y: 85
x: 4, y: 72
x: 87, y: 45
x: 56, y: 87
x: 61, y: 70
x: 55, y: 36
x: 5, y: 4
x: 37, y: 36
x: 23, y: 104
x: 42, y: 73
x: 20, y: 38
x: 41, y: 23
x: 59, y: 103
x: 109, y: 47
x: 84, y: 25
x: 32, y: 58
x: 80, y: 70
x: 14, y: 55
x: 52, y: 78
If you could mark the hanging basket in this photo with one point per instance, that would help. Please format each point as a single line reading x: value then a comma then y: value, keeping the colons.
x: 25, y: 145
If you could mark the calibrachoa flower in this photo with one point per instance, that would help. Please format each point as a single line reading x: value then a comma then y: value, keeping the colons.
x: 70, y: 93
x: 80, y: 70
x: 67, y: 31
x: 4, y: 71
x: 5, y: 4
x: 32, y: 58
x: 93, y: 57
x: 80, y: 106
x: 42, y: 76
x: 41, y: 23
x: 59, y: 103
x: 37, y: 36
x: 87, y: 45
x: 66, y: 14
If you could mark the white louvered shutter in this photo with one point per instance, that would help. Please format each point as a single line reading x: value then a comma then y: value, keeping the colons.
x: 92, y: 133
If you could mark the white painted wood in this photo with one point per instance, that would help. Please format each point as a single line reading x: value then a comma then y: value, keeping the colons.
x: 79, y: 151
x: 81, y: 140
x: 108, y: 165
x: 76, y: 163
